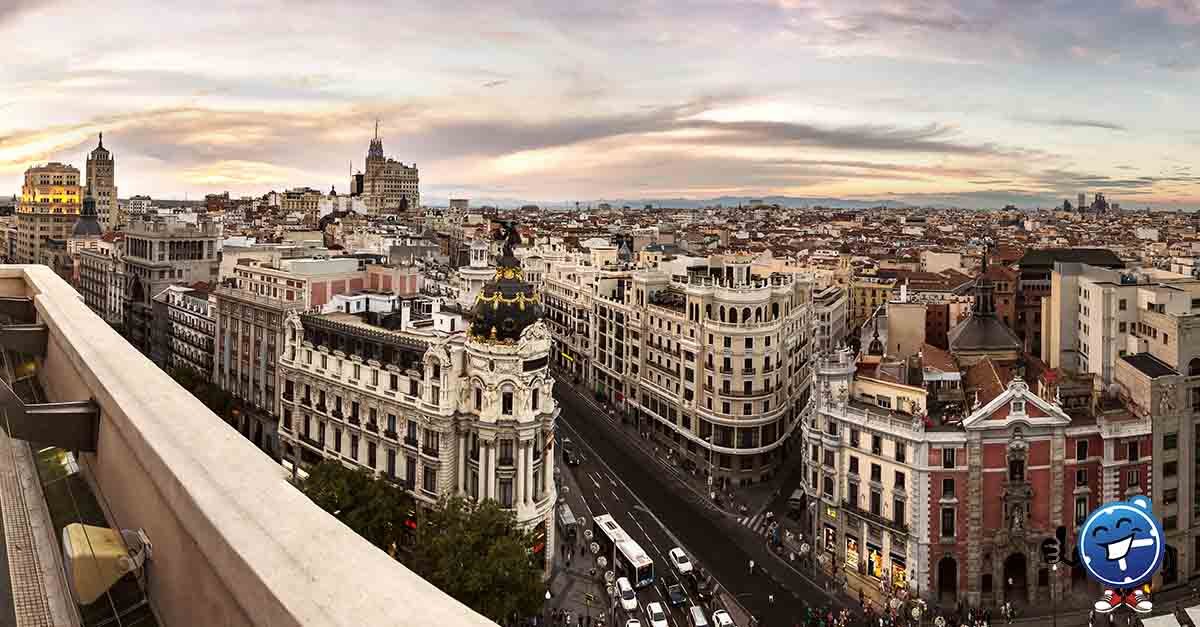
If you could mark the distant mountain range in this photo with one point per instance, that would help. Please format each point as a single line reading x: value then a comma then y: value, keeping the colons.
x: 688, y: 203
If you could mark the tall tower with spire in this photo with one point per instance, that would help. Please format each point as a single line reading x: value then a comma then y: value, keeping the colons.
x: 101, y: 179
x: 389, y: 186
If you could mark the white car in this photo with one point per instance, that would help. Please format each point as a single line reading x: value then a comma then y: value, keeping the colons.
x: 721, y: 619
x: 633, y: 622
x: 628, y: 596
x: 680, y: 561
x: 656, y: 615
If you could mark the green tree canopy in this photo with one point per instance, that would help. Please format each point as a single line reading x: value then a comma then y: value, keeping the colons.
x: 478, y: 554
x: 371, y: 507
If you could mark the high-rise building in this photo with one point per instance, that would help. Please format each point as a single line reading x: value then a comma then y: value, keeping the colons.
x: 191, y: 328
x: 390, y: 186
x: 101, y: 179
x: 50, y: 202
x: 1082, y: 206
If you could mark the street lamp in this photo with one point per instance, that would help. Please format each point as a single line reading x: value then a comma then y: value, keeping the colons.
x: 1054, y: 597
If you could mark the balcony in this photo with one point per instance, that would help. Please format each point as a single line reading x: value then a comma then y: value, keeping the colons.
x: 354, y: 419
x: 875, y: 518
x: 390, y: 433
x: 410, y: 441
x: 429, y: 450
x: 320, y: 407
x: 372, y: 427
x: 207, y: 498
x: 306, y: 401
x: 336, y: 413
x: 506, y: 462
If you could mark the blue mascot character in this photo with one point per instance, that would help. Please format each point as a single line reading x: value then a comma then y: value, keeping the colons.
x: 1121, y: 545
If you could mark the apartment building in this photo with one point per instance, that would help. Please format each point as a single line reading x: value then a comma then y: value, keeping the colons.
x: 1034, y: 283
x: 412, y: 395
x: 389, y: 185
x: 100, y: 281
x: 867, y: 293
x: 101, y: 180
x: 51, y: 198
x: 313, y: 282
x: 830, y: 305
x: 710, y: 360
x: 158, y: 253
x: 192, y: 326
x: 566, y: 293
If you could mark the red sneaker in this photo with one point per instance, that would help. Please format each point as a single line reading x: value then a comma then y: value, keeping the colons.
x: 1139, y: 601
x: 1108, y: 602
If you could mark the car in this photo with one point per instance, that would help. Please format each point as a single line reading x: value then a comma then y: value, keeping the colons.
x: 628, y: 597
x: 676, y: 595
x: 655, y: 614
x: 680, y: 561
x: 572, y: 458
x: 633, y: 622
x: 721, y: 618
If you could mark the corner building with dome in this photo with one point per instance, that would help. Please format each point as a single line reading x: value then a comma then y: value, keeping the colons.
x: 441, y: 403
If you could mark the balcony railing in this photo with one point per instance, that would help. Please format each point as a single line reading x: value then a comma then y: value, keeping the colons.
x: 410, y: 441
x: 307, y: 402
x: 372, y: 427
x: 430, y: 451
x: 875, y: 518
x: 506, y: 462
x: 210, y: 501
x: 390, y: 433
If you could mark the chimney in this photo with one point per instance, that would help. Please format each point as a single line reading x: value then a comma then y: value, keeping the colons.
x: 405, y: 315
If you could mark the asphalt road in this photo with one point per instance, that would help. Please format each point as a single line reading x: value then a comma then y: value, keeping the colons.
x: 661, y: 514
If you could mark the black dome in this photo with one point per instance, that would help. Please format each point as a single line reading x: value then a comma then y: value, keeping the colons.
x: 508, y: 304
x: 87, y: 225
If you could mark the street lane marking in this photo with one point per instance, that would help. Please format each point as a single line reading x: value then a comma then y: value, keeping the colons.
x: 592, y: 476
x: 615, y: 496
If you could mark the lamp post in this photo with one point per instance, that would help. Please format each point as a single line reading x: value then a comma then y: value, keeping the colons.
x: 1053, y: 596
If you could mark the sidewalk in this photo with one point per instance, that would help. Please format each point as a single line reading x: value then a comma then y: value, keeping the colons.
x: 754, y: 497
x: 569, y: 584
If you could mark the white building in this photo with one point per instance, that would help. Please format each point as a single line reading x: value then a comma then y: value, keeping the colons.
x: 191, y: 330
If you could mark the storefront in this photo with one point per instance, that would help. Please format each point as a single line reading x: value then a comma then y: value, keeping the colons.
x: 899, y: 573
x: 874, y: 561
x: 851, y: 553
x: 830, y: 538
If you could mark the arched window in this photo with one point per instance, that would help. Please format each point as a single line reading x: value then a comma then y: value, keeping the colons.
x: 758, y: 314
x: 774, y: 311
x: 722, y: 313
x: 1194, y: 367
x: 745, y: 314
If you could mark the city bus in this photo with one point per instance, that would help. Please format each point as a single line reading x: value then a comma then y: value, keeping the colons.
x: 626, y: 556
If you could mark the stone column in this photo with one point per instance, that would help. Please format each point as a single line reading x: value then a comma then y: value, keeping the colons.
x: 519, y: 465
x: 482, y: 467
x: 461, y: 483
x: 491, y: 468
x: 528, y: 455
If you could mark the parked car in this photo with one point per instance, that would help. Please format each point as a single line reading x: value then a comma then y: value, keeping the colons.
x: 721, y: 618
x: 633, y: 622
x: 701, y: 583
x: 655, y: 615
x: 680, y: 561
x: 676, y: 595
x: 628, y: 597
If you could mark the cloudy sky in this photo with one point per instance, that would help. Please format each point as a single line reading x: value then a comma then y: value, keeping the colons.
x: 975, y: 102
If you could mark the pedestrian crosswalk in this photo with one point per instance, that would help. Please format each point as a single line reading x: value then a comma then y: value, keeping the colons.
x: 758, y: 523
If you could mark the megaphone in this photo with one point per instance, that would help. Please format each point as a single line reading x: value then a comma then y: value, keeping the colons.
x: 97, y: 557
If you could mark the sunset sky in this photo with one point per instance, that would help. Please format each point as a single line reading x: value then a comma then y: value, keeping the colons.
x: 976, y: 103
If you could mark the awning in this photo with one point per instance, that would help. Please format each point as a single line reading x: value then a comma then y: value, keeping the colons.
x: 1166, y: 620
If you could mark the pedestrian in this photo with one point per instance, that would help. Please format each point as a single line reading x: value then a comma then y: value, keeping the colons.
x: 751, y: 567
x: 770, y: 599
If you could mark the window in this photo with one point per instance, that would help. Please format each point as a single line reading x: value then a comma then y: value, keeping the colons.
x: 1170, y: 441
x: 816, y: 453
x: 1170, y: 496
x: 1121, y: 327
x: 1081, y: 451
x: 1132, y: 451
x: 854, y: 438
x: 747, y: 409
x: 828, y: 487
x: 898, y: 511
x: 1170, y: 469
x: 901, y: 452
x: 1132, y: 479
x: 507, y: 404
x: 829, y: 458
x: 948, y: 458
x: 1018, y: 407
x: 876, y: 473
x: 884, y: 402
x: 1081, y: 511
x: 429, y: 481
x: 876, y: 503
x: 1081, y: 477
x: 853, y: 465
x: 900, y: 478
x: 947, y: 522
x: 537, y: 393
x: 478, y: 399
x: 876, y: 445
x: 391, y: 463
x: 1170, y: 522
x: 728, y: 342
x: 1122, y: 305
x: 947, y: 488
x: 354, y: 447
x: 852, y: 494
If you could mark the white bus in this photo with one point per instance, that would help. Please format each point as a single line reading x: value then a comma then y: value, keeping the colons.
x: 626, y: 556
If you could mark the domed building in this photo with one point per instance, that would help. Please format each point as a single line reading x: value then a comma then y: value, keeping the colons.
x: 438, y: 405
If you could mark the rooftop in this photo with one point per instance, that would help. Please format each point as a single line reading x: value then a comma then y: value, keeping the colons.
x: 1150, y: 365
x: 233, y: 540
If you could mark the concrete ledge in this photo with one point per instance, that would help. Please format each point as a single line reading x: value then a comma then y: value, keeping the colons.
x: 234, y: 543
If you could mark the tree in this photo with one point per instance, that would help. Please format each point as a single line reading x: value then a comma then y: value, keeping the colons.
x: 371, y: 507
x: 478, y: 554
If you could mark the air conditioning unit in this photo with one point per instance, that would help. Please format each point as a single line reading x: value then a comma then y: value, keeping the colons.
x: 97, y: 557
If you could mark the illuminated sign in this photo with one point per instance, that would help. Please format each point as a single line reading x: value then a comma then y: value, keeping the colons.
x: 851, y: 553
x: 874, y: 561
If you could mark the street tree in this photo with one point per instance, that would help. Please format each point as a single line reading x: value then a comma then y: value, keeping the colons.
x: 478, y: 554
x: 373, y: 508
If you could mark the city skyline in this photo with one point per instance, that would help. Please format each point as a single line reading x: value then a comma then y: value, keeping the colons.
x: 969, y: 103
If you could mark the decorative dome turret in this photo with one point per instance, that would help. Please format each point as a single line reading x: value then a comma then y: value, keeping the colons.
x: 87, y: 225
x: 508, y: 304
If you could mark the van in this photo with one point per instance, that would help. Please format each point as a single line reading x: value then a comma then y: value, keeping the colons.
x: 796, y: 501
x: 696, y: 617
